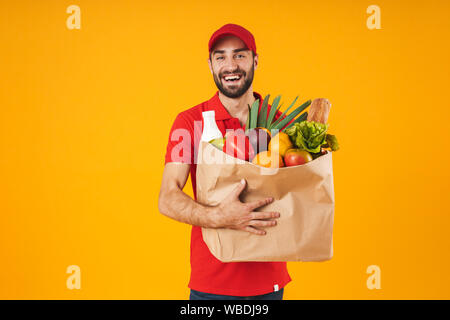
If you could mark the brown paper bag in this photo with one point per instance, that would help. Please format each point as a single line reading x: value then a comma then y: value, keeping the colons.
x: 304, y: 196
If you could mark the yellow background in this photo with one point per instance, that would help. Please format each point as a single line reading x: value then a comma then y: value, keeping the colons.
x: 85, y: 117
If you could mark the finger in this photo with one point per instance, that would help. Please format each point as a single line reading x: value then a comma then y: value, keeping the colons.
x: 239, y: 188
x: 255, y: 230
x: 259, y: 215
x: 262, y: 223
x: 259, y: 203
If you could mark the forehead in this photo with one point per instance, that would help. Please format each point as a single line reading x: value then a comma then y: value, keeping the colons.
x: 228, y: 42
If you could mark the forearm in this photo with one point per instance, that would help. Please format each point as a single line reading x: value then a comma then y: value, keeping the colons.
x: 179, y: 206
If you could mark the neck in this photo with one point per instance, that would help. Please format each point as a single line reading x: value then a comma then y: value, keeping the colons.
x: 237, y: 107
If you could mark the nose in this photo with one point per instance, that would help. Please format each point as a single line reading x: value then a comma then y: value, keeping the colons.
x: 230, y: 65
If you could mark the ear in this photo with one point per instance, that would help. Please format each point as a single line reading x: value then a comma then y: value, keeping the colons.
x: 210, y: 65
x: 255, y: 61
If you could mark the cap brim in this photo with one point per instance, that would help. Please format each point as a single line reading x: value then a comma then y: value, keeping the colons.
x: 220, y: 36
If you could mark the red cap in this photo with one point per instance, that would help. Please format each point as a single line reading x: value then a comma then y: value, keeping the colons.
x: 237, y: 31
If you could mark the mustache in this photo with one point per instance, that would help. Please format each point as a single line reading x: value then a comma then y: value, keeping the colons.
x: 237, y: 71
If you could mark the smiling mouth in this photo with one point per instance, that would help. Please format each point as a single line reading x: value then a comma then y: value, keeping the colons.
x: 232, y: 78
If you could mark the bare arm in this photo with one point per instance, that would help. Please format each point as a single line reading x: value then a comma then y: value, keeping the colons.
x: 230, y: 213
x: 176, y: 204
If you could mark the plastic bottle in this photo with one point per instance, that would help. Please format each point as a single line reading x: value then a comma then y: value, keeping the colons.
x: 210, y: 129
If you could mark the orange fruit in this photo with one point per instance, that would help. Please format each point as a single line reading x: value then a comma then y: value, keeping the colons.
x: 280, y: 143
x: 268, y: 159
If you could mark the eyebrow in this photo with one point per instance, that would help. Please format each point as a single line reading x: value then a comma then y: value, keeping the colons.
x: 235, y: 50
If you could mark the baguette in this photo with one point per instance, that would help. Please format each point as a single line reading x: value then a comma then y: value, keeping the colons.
x: 319, y: 110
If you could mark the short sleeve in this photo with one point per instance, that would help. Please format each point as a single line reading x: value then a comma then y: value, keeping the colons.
x: 180, y: 145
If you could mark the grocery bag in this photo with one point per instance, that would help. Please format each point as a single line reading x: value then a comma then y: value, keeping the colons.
x: 303, y: 195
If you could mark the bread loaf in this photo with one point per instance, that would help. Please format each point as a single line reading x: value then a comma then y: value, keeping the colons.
x: 319, y: 110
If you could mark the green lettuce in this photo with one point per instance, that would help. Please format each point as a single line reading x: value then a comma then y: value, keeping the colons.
x: 308, y: 135
x: 331, y: 142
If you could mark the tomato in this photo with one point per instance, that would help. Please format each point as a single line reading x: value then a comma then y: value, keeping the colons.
x: 238, y: 146
x: 295, y: 157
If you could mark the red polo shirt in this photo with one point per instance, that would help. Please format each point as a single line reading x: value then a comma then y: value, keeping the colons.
x: 208, y: 274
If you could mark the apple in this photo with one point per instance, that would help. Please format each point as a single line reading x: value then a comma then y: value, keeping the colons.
x: 218, y: 143
x: 295, y: 157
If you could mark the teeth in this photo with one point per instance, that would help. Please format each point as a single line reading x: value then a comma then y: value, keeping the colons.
x: 232, y: 78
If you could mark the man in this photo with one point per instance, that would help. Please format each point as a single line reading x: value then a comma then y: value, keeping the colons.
x: 232, y: 61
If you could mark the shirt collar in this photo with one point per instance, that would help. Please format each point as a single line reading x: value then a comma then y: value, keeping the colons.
x: 221, y: 113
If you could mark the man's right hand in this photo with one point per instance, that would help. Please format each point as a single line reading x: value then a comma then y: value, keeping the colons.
x: 233, y: 214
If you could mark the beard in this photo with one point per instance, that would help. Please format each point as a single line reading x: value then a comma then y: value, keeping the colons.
x: 235, y: 91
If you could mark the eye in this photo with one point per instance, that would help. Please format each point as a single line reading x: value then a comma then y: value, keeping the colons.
x: 240, y: 55
x: 219, y: 58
